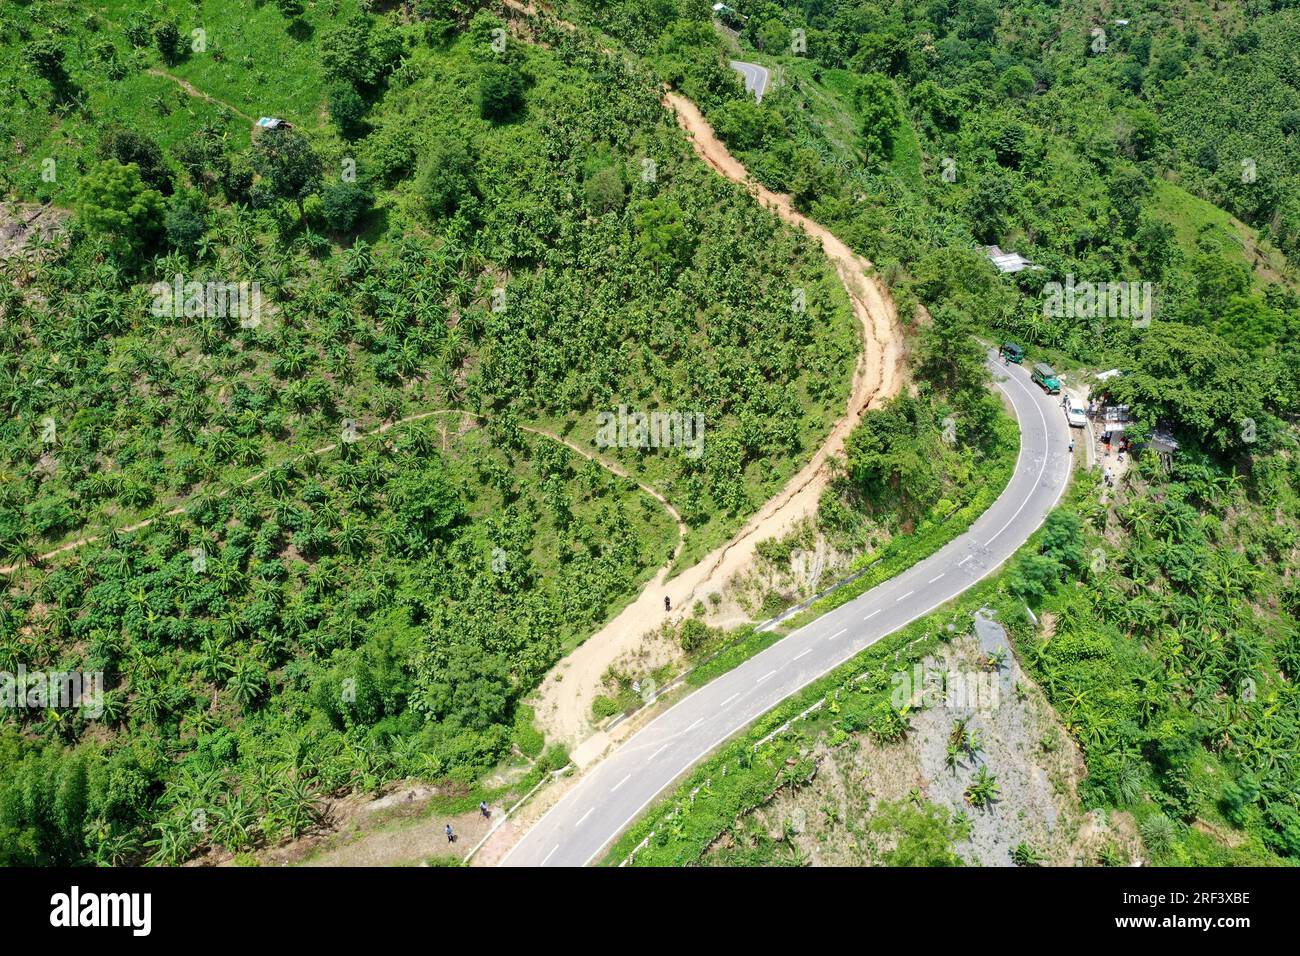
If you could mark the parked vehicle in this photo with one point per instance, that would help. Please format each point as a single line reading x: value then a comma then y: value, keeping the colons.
x: 1046, y: 378
x: 1012, y: 352
x: 1074, y: 412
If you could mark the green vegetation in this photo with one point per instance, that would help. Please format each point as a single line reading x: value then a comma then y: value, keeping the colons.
x: 1173, y: 666
x: 1111, y: 161
x: 286, y: 452
x: 308, y: 571
x: 710, y: 801
x: 925, y: 834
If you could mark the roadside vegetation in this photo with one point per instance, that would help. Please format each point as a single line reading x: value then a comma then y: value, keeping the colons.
x: 1152, y: 151
x: 366, y: 538
x: 344, y: 579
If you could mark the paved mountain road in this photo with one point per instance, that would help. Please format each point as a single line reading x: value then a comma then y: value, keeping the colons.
x: 756, y: 77
x: 615, y: 791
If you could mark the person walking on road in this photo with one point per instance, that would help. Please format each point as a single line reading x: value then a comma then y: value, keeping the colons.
x: 483, y: 809
x: 451, y: 836
x: 668, y: 604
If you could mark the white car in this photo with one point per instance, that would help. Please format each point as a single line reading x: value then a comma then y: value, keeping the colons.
x: 1074, y: 413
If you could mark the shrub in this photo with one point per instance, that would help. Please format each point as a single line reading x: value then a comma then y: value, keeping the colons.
x: 114, y: 201
x: 46, y: 58
x: 447, y: 181
x: 347, y: 110
x: 1158, y: 833
x: 167, y: 37
x: 500, y: 92
x: 1016, y: 82
x: 343, y: 204
x: 289, y: 167
x: 528, y: 738
x: 185, y: 221
x: 878, y: 105
x: 291, y: 10
x: 555, y: 757
x: 127, y: 146
x: 604, y: 191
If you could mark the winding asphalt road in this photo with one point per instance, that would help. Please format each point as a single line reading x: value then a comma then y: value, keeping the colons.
x: 615, y: 791
x: 756, y: 77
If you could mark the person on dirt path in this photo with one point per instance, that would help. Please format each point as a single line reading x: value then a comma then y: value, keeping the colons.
x: 451, y: 836
x: 483, y: 809
x: 668, y: 604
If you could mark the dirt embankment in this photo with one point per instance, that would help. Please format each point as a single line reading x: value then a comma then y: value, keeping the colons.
x: 1013, y: 732
x: 564, y: 700
x: 23, y: 225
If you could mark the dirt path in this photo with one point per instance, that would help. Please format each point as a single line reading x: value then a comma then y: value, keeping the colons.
x: 385, y: 427
x: 563, y: 702
x: 197, y: 93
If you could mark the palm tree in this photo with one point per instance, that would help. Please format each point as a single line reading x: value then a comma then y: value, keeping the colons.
x: 983, y: 790
x: 1026, y: 855
x: 173, y: 842
x: 294, y: 808
x: 353, y: 539
x: 247, y: 682
x: 235, y: 823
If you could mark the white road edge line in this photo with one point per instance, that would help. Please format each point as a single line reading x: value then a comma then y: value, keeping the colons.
x: 1041, y: 468
x: 987, y: 572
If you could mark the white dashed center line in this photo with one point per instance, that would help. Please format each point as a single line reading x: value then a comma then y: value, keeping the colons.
x: 872, y: 614
x: 904, y: 597
x: 803, y: 654
x: 585, y: 815
x: 764, y: 677
x: 935, y: 578
x: 551, y: 854
x: 837, y: 634
x: 659, y: 751
x: 620, y: 783
x: 964, y: 560
x: 693, y: 726
x: 729, y: 699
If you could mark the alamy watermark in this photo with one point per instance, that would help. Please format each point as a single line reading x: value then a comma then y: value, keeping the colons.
x: 217, y: 300
x: 1088, y: 300
x: 77, y: 909
x: 56, y: 690
x: 623, y: 428
x: 954, y: 689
